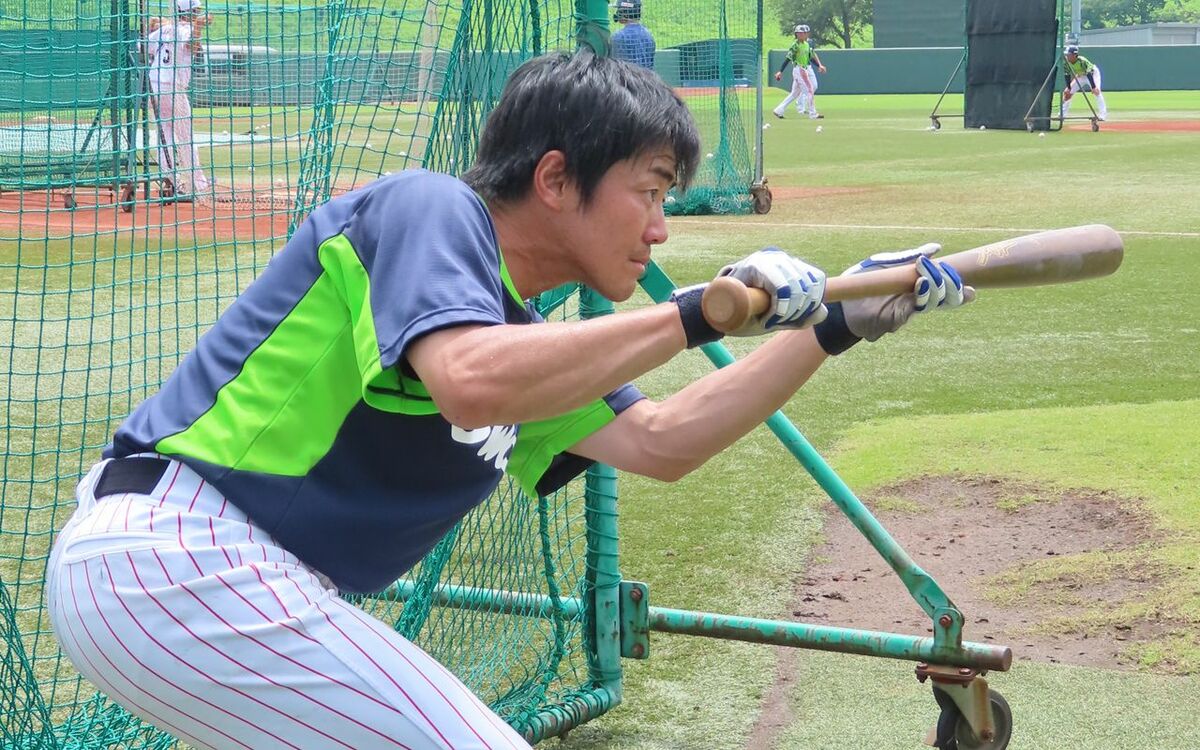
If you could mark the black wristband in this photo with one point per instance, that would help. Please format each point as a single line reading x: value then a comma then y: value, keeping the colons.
x: 695, y: 326
x: 833, y: 334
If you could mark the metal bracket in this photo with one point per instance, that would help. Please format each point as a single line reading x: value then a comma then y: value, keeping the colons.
x: 635, y: 620
x: 969, y: 691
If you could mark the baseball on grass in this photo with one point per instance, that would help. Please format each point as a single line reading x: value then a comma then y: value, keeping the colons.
x: 708, y: 155
x: 819, y: 128
x: 983, y: 127
x: 1041, y: 135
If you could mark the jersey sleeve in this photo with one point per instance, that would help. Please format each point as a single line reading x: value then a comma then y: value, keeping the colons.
x: 420, y: 256
x: 540, y: 462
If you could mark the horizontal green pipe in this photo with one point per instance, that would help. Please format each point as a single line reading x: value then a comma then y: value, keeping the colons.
x: 730, y: 627
x: 841, y: 640
x: 554, y: 721
x: 492, y: 600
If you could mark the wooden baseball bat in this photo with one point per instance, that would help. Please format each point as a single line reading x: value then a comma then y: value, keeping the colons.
x: 1056, y: 256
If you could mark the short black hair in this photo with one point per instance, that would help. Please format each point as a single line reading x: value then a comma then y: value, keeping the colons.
x: 596, y: 110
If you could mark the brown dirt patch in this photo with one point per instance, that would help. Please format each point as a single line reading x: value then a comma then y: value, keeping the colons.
x: 243, y: 212
x: 965, y: 531
x: 1147, y: 126
x: 798, y: 193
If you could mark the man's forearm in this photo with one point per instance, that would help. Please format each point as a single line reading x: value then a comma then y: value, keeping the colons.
x: 712, y: 413
x: 529, y: 372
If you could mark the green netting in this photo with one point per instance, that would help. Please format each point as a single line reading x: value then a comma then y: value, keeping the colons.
x: 106, y: 280
x: 712, y: 53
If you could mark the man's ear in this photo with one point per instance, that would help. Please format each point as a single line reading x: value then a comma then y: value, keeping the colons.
x: 551, y: 184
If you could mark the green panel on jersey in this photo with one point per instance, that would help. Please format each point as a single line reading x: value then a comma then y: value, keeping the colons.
x: 383, y: 389
x: 539, y: 442
x: 281, y: 412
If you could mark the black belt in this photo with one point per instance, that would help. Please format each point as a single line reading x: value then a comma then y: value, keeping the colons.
x: 137, y: 474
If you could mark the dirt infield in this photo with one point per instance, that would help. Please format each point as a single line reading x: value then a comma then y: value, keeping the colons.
x: 969, y: 533
x: 247, y: 214
x: 1147, y: 126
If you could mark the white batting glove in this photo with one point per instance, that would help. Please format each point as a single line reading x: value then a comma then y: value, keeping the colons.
x: 796, y: 290
x: 938, y: 285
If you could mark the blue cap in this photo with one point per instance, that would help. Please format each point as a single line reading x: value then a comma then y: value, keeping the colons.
x: 1073, y: 50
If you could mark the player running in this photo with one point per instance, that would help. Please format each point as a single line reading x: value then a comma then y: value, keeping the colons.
x: 799, y: 55
x: 373, y: 385
x: 169, y: 49
x: 1082, y: 75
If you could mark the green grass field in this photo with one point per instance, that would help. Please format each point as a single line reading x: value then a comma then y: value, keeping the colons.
x: 1093, y: 385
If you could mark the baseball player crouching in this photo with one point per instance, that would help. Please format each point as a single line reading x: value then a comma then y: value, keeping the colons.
x: 1082, y: 75
x: 373, y: 385
x: 169, y: 48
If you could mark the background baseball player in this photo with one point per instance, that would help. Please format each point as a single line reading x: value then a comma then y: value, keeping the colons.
x: 169, y: 49
x: 799, y: 56
x: 372, y: 386
x: 802, y: 103
x: 1082, y: 75
x: 633, y: 41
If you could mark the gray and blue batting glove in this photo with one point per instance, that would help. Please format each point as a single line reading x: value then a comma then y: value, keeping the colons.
x: 796, y: 290
x: 938, y: 285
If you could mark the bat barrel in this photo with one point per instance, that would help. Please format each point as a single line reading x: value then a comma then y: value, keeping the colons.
x: 1052, y: 257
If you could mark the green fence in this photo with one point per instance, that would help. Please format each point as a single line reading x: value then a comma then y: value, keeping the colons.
x: 926, y: 70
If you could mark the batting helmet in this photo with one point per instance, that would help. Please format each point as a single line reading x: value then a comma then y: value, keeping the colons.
x: 628, y: 10
x: 1072, y: 50
x: 801, y: 29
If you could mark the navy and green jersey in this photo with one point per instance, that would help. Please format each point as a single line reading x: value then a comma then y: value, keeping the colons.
x: 1081, y: 67
x: 298, y: 404
x: 799, y: 54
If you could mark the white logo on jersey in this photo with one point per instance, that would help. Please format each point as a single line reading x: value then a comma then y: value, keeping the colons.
x: 496, y: 443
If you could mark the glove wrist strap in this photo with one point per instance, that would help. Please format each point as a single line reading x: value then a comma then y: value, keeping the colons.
x: 695, y: 326
x: 833, y: 334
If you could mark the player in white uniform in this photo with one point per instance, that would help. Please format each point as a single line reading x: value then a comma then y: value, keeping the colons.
x: 373, y: 385
x: 169, y: 51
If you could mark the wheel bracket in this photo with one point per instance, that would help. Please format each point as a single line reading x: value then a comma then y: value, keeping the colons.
x: 968, y: 689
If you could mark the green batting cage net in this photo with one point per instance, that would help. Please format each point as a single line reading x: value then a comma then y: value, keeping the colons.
x: 128, y: 222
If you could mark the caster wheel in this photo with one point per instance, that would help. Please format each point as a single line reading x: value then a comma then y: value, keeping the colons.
x: 955, y: 733
x: 937, y: 124
x: 1095, y: 126
x: 762, y: 201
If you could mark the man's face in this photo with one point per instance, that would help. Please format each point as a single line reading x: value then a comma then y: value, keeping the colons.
x: 801, y: 36
x: 1072, y: 56
x: 613, y: 235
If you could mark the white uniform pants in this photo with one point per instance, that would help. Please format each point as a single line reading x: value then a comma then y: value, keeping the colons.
x: 178, y: 157
x: 804, y: 100
x: 803, y: 91
x: 1077, y: 84
x: 197, y: 621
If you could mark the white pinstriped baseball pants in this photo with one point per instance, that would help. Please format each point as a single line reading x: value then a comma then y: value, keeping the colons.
x: 178, y: 156
x: 195, y: 620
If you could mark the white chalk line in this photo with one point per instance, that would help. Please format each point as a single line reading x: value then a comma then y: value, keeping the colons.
x: 902, y: 228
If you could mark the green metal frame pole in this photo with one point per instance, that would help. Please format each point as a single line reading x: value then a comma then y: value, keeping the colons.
x: 603, y: 571
x: 823, y: 638
x: 761, y: 70
x: 927, y: 593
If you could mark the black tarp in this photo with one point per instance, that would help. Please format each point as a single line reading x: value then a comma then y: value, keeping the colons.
x: 1011, y: 46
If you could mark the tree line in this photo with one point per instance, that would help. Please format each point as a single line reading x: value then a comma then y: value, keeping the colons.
x: 846, y: 23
